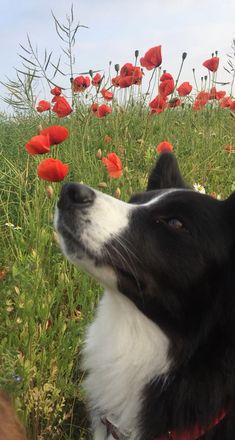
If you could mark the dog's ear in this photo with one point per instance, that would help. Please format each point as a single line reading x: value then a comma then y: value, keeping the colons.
x: 166, y: 174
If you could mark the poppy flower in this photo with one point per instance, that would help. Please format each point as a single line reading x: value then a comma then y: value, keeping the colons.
x: 39, y: 144
x: 113, y: 164
x: 214, y: 94
x: 43, y: 106
x: 56, y: 91
x: 174, y: 102
x: 62, y: 108
x: 164, y: 146
x: 96, y: 80
x: 232, y: 105
x: 229, y: 148
x: 212, y: 64
x: 127, y: 69
x: 167, y: 85
x: 103, y: 110
x: 52, y: 170
x: 94, y: 107
x: 115, y: 81
x: 158, y: 104
x: 106, y: 94
x: 152, y: 58
x: 225, y: 102
x: 201, y: 100
x: 57, y: 134
x: 184, y: 89
x: 80, y: 83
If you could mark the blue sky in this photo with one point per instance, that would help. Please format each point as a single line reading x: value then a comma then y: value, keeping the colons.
x: 117, y: 28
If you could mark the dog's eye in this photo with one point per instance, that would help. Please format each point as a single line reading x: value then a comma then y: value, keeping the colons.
x: 175, y: 223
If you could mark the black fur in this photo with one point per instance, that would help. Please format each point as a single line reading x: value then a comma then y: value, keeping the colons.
x: 186, y: 284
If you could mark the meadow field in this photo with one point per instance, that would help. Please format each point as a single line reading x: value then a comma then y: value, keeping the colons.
x: 46, y: 303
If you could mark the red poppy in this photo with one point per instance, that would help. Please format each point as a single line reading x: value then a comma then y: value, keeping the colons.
x: 94, y: 107
x: 96, y: 80
x: 167, y: 85
x: 62, y: 108
x: 174, y: 102
x: 113, y: 164
x: 225, y: 102
x: 106, y: 94
x: 52, y: 170
x: 152, y: 58
x: 39, y: 144
x: 158, y: 104
x: 80, y: 83
x: 164, y: 146
x: 212, y: 64
x: 43, y: 106
x: 127, y: 69
x: 229, y: 148
x: 115, y: 81
x: 216, y: 95
x: 57, y: 134
x: 184, y: 89
x: 103, y: 110
x: 201, y: 100
x: 56, y: 91
x: 232, y: 105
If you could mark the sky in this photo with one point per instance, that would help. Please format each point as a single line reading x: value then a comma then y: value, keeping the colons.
x: 116, y: 29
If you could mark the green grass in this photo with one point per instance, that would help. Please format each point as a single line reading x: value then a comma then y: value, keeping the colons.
x: 46, y: 303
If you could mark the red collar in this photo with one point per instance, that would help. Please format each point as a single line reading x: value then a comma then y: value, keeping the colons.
x: 193, y: 434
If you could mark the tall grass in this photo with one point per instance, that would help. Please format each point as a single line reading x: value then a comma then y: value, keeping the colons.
x: 46, y: 303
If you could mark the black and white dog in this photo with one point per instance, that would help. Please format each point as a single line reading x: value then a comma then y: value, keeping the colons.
x: 160, y: 354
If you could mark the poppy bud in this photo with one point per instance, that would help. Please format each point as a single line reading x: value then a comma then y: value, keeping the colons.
x: 136, y: 53
x: 39, y: 128
x: 102, y: 185
x: 212, y: 54
x: 205, y: 77
x: 49, y: 192
x: 99, y: 154
x: 193, y: 69
x: 117, y: 67
x: 91, y: 73
x: 117, y: 193
x: 71, y: 80
x: 184, y: 55
x: 216, y: 53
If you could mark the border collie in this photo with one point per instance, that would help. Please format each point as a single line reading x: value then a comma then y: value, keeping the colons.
x: 160, y: 354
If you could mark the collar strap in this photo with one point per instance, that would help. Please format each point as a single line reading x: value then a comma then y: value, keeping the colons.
x: 193, y: 434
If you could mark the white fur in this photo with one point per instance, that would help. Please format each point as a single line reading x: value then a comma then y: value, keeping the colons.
x: 124, y: 350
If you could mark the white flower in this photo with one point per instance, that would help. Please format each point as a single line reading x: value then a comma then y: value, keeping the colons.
x: 199, y: 188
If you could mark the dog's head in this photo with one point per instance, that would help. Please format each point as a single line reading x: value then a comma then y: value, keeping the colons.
x: 170, y: 249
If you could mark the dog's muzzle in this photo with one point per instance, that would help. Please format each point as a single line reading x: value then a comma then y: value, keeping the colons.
x: 75, y: 195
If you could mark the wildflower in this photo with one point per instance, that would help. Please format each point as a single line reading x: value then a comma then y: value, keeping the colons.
x: 43, y: 106
x: 166, y: 86
x: 103, y: 110
x: 184, y: 89
x: 158, y: 104
x: 201, y: 100
x: 107, y: 139
x: 152, y: 58
x: 39, y: 144
x: 56, y: 91
x: 164, y: 146
x: 81, y: 83
x: 96, y: 80
x: 216, y: 95
x: 225, y: 102
x: 174, y: 102
x: 52, y: 170
x: 115, y: 81
x: 94, y: 107
x: 199, y: 188
x: 212, y: 64
x: 113, y: 164
x: 62, y: 108
x: 56, y: 133
x: 229, y: 148
x: 129, y: 75
x: 232, y: 105
x: 106, y: 94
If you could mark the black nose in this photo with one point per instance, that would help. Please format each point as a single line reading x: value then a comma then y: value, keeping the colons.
x: 75, y: 195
